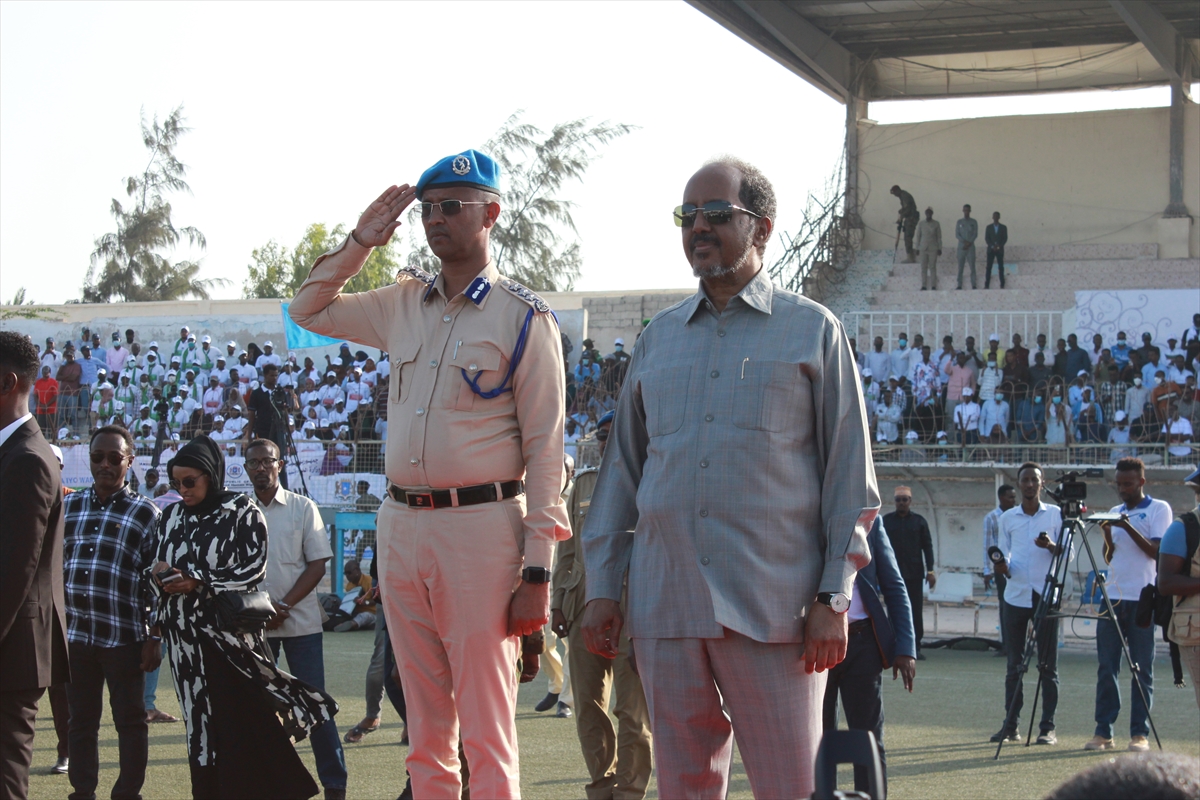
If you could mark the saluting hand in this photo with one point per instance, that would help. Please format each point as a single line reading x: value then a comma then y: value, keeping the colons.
x: 380, y: 220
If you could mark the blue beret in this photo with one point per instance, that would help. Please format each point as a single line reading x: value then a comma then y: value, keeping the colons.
x: 608, y: 417
x: 1193, y: 479
x: 468, y: 168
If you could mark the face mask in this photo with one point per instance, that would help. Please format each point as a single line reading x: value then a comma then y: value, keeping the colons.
x: 1137, y: 381
x: 1120, y: 342
x: 1037, y: 399
x: 1157, y: 380
x: 1056, y: 400
x: 999, y: 398
x: 904, y: 342
x: 991, y: 364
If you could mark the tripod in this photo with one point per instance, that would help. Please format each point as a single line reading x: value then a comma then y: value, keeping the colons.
x: 1049, y: 604
x: 287, y: 445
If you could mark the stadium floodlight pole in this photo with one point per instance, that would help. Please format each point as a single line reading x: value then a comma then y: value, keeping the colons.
x: 1051, y: 601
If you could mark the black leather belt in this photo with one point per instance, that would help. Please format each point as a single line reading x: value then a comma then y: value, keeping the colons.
x: 452, y: 498
x: 859, y: 626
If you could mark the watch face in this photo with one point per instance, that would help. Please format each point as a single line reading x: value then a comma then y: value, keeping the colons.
x: 839, y: 603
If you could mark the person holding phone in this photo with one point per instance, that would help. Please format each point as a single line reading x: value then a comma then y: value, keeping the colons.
x: 215, y: 541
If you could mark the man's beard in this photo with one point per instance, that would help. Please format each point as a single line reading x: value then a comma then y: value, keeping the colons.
x: 721, y: 270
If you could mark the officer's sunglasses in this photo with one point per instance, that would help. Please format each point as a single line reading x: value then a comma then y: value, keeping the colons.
x: 716, y: 212
x: 448, y: 207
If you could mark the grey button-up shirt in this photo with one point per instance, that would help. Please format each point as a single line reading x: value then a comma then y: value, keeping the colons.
x: 966, y: 231
x: 738, y: 481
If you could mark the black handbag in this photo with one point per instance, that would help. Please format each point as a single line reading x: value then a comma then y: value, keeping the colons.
x: 244, y: 612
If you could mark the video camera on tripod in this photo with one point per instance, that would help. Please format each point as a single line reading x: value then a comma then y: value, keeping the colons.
x: 1070, y: 492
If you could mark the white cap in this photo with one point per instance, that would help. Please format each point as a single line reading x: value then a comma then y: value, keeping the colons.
x: 106, y: 385
x: 175, y: 360
x: 206, y: 339
x: 190, y: 371
x: 176, y: 399
x: 995, y: 337
x: 172, y: 373
x: 220, y: 359
x: 242, y: 352
x: 183, y: 390
x: 912, y: 436
x: 191, y: 337
x: 253, y: 384
x: 357, y: 369
x: 238, y: 409
x: 967, y: 391
x: 152, y: 355
x: 619, y: 341
x: 268, y: 344
x: 153, y: 345
x: 218, y: 418
x: 941, y: 434
x: 184, y: 328
x: 63, y: 433
x: 1081, y: 372
x: 174, y: 437
x: 144, y: 406
x: 310, y: 425
x: 866, y: 373
x: 1119, y: 416
x: 291, y: 356
x: 231, y: 343
x: 214, y: 377
x: 331, y: 372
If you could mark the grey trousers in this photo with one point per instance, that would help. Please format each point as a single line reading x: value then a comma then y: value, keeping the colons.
x: 375, y: 668
x: 966, y: 252
x: 774, y: 711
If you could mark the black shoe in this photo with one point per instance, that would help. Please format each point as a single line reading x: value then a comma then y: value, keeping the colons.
x: 1047, y: 737
x: 564, y: 711
x: 1003, y: 735
x: 332, y: 793
x: 547, y: 703
x: 920, y: 656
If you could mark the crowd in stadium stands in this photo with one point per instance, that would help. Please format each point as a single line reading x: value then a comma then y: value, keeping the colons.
x: 1118, y: 392
x: 167, y: 394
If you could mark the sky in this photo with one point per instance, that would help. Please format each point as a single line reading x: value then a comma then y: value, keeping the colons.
x: 305, y: 112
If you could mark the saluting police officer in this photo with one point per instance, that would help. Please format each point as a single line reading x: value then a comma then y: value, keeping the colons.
x: 475, y: 461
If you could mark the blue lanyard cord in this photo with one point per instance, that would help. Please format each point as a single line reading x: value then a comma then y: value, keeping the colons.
x: 518, y: 352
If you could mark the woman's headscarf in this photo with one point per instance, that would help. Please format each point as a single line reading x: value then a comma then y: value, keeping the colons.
x: 202, y: 453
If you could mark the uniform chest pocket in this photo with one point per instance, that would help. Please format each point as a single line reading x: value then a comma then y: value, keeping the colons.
x: 768, y: 397
x: 483, y: 364
x: 664, y: 398
x: 402, y: 373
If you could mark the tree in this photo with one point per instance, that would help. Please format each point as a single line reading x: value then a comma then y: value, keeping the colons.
x: 277, y: 272
x: 132, y: 264
x: 22, y: 308
x: 534, y: 166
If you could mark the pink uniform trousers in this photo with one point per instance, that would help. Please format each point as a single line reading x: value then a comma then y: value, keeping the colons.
x: 447, y: 577
x: 775, y: 709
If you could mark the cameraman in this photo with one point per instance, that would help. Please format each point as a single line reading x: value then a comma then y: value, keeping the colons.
x: 1131, y: 550
x: 267, y: 412
x: 1030, y: 537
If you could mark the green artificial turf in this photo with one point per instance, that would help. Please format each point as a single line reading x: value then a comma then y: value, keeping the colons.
x: 936, y: 737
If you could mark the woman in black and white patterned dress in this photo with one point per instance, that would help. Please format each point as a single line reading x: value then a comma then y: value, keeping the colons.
x: 241, y: 710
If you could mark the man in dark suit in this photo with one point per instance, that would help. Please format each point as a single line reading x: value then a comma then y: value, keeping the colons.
x: 878, y: 639
x: 912, y: 544
x: 995, y: 237
x: 33, y: 644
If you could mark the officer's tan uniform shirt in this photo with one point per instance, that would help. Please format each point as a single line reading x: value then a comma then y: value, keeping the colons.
x: 568, y: 580
x: 440, y: 433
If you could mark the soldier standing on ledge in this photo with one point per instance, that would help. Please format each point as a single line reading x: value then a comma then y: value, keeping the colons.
x: 913, y: 545
x: 475, y: 461
x: 907, y: 221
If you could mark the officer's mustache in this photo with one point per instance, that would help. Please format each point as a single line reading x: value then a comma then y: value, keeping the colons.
x: 701, y: 238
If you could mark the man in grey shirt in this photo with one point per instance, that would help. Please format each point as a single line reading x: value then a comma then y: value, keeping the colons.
x: 966, y: 231
x: 734, y: 500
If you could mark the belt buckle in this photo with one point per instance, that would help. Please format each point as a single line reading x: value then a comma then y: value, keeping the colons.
x: 419, y: 499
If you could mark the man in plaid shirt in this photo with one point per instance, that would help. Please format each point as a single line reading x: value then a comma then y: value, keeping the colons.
x: 108, y: 545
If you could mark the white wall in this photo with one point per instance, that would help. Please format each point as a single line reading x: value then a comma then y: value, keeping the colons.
x: 1056, y: 179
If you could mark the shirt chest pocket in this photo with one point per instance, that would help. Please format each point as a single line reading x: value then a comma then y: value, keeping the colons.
x: 664, y: 398
x: 767, y: 396
x: 482, y: 364
x: 402, y: 373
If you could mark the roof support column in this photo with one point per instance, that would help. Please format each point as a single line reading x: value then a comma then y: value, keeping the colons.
x: 856, y: 111
x: 1176, y: 207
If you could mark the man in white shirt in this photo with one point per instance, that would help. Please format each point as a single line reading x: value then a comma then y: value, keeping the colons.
x: 356, y: 392
x: 116, y: 356
x: 901, y: 358
x: 1119, y: 434
x: 330, y: 392
x: 50, y: 357
x: 993, y: 419
x: 213, y: 398
x: 299, y: 549
x: 1131, y: 549
x: 1178, y: 433
x: 879, y: 362
x: 966, y: 418
x: 177, y: 417
x: 269, y: 356
x: 989, y: 378
x: 1030, y: 538
x: 338, y: 416
x: 235, y: 423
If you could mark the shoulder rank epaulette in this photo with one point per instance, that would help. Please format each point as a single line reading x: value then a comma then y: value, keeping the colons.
x: 415, y: 272
x: 528, y: 295
x: 586, y: 470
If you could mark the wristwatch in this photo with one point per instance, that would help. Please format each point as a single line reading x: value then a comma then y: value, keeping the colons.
x: 837, y: 601
x: 536, y: 575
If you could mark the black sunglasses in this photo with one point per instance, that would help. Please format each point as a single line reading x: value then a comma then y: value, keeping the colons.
x: 716, y: 212
x: 113, y: 459
x: 448, y: 207
x: 186, y: 483
x: 255, y: 464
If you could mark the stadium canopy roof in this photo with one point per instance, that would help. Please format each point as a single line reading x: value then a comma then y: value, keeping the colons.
x: 896, y: 49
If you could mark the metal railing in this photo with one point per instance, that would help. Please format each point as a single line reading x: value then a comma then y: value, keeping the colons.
x: 1078, y: 454
x: 933, y: 325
